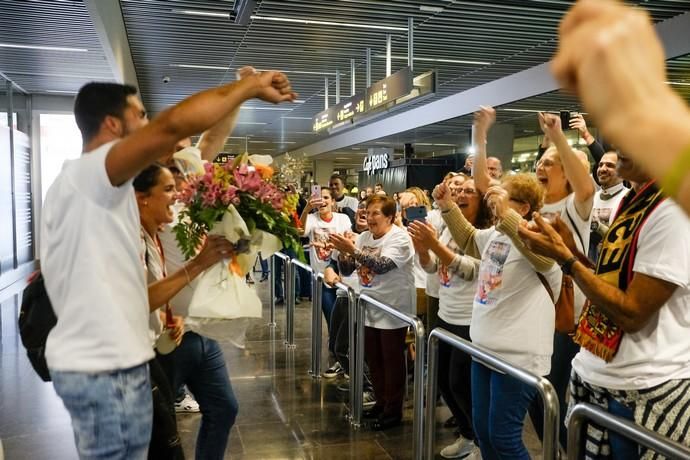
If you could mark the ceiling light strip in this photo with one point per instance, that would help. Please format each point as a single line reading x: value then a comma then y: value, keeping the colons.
x: 328, y: 23
x: 43, y: 48
x: 203, y: 13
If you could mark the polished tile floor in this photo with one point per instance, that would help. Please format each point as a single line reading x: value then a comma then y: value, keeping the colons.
x: 284, y: 413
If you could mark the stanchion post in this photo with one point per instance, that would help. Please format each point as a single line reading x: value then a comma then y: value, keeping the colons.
x: 357, y: 381
x: 272, y: 292
x: 352, y: 345
x: 316, y: 325
x: 418, y: 389
x: 431, y: 390
x: 289, y: 303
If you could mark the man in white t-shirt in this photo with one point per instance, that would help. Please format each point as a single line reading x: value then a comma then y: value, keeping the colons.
x: 635, y: 331
x: 342, y: 201
x: 606, y: 201
x: 98, y: 351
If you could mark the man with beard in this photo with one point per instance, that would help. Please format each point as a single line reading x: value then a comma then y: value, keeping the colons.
x: 606, y: 201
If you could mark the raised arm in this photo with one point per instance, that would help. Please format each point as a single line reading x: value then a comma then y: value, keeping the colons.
x: 484, y: 118
x: 573, y: 167
x: 460, y: 229
x: 191, y: 116
x: 213, y: 139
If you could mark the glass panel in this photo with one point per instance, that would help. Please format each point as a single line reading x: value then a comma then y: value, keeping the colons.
x: 60, y: 141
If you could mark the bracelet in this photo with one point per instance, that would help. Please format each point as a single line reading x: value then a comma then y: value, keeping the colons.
x: 567, y: 266
x: 676, y: 173
x: 184, y: 267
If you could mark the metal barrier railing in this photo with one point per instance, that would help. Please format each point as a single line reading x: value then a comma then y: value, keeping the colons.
x: 546, y: 390
x: 290, y: 333
x: 316, y: 323
x: 582, y: 412
x: 364, y: 302
x: 272, y: 287
x: 351, y: 331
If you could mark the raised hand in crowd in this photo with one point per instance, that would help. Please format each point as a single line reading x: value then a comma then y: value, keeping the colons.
x: 484, y: 118
x: 443, y: 197
x: 610, y: 55
x: 578, y: 122
x: 497, y: 198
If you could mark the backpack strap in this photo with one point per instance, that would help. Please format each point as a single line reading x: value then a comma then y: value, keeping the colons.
x: 577, y: 232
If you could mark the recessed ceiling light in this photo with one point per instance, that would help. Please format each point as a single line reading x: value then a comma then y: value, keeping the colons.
x: 203, y: 13
x: 431, y: 9
x: 264, y: 108
x: 426, y: 59
x: 302, y: 72
x: 44, y: 48
x: 59, y: 91
x: 196, y: 66
x: 297, y: 118
x: 329, y: 23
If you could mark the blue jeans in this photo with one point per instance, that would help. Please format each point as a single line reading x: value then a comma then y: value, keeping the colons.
x: 199, y: 363
x: 264, y: 266
x: 499, y: 405
x: 111, y: 412
x: 622, y: 448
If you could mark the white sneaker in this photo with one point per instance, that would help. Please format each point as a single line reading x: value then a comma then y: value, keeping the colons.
x: 187, y: 405
x: 475, y: 455
x: 333, y: 371
x: 459, y: 449
x: 368, y: 399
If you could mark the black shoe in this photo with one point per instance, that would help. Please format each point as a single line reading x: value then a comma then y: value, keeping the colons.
x: 384, y: 423
x: 264, y: 277
x: 297, y: 301
x: 452, y: 422
x: 372, y: 413
x: 280, y: 301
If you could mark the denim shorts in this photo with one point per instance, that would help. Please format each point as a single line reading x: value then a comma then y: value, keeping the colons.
x: 111, y: 411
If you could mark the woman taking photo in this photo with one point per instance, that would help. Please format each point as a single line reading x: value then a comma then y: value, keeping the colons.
x: 193, y: 360
x: 457, y: 275
x: 317, y: 227
x: 513, y: 315
x: 383, y: 258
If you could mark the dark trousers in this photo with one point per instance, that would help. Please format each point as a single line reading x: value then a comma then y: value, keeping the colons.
x: 385, y: 354
x: 199, y: 363
x: 165, y: 441
x: 564, y: 350
x: 431, y: 312
x: 341, y: 339
x: 455, y: 378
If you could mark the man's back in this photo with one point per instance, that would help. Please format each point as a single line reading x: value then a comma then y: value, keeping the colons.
x: 90, y: 258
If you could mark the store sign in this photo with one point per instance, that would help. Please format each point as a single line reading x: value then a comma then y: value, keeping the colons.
x: 377, y: 160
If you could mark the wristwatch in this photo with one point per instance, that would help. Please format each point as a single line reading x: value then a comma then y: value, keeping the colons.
x: 567, y: 266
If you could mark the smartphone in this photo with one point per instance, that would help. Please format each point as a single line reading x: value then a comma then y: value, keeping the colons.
x: 415, y: 213
x: 316, y: 191
x: 565, y: 120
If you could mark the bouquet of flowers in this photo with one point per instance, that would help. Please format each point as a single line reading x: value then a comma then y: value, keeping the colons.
x: 241, y: 201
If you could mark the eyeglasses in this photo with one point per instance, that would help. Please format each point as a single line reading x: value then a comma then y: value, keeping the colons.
x: 466, y: 191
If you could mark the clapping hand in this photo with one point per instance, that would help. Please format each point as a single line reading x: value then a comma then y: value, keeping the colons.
x: 342, y: 243
x: 497, y: 198
x: 544, y: 239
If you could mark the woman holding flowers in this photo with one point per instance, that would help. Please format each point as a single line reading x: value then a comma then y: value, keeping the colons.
x: 196, y: 361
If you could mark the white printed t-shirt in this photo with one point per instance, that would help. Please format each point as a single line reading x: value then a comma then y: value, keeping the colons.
x: 318, y: 231
x: 91, y: 262
x: 455, y: 295
x: 395, y: 287
x: 513, y: 315
x: 565, y: 208
x: 660, y: 351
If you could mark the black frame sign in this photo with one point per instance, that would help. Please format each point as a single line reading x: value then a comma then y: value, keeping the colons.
x: 389, y: 89
x: 376, y: 96
x: 377, y: 160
